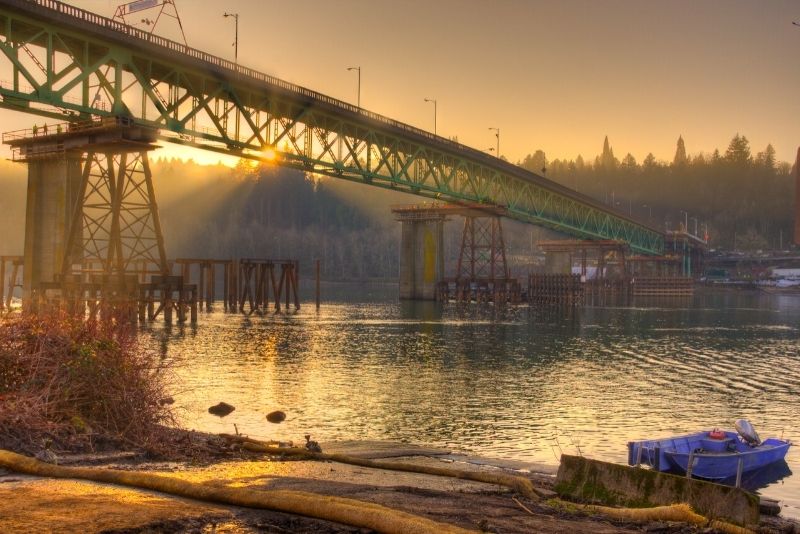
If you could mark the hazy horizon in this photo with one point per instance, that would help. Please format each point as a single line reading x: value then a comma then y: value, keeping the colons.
x: 552, y: 76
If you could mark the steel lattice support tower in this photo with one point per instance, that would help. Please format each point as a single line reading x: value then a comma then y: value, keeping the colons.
x: 483, y: 250
x: 115, y: 225
x: 91, y: 206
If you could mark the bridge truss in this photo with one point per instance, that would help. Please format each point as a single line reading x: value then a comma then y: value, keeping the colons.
x: 66, y: 63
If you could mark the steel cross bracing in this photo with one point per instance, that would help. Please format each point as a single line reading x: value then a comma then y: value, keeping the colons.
x: 483, y: 250
x: 96, y: 66
x: 115, y: 224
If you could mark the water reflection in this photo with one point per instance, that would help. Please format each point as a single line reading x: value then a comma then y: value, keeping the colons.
x: 764, y: 478
x: 520, y: 383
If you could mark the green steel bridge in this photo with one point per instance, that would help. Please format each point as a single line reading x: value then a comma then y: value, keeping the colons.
x: 66, y: 63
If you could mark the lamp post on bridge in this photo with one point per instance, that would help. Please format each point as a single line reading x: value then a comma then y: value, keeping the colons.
x: 695, y: 224
x: 435, y: 113
x: 497, y: 134
x: 236, y: 38
x: 649, y: 211
x: 685, y: 221
x: 359, y: 83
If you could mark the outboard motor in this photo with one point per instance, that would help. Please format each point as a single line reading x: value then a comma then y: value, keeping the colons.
x: 747, y: 432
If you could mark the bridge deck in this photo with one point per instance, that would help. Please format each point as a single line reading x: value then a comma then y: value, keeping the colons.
x: 335, y: 138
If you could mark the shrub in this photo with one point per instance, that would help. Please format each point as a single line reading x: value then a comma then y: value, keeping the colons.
x: 78, y: 383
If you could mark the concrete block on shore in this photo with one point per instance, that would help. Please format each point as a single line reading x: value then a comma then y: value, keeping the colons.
x: 594, y: 481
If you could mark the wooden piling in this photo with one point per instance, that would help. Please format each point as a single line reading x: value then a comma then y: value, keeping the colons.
x: 2, y: 282
x: 316, y: 292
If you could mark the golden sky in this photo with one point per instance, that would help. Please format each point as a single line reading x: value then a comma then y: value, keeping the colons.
x: 557, y: 75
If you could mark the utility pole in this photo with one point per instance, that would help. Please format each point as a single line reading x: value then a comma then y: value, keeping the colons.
x: 359, y: 83
x: 236, y: 39
x: 497, y: 134
x: 435, y: 113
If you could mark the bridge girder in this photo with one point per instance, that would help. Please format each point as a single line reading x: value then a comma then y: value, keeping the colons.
x: 65, y: 62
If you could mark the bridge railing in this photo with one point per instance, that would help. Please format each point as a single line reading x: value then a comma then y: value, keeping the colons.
x: 82, y: 18
x: 111, y: 24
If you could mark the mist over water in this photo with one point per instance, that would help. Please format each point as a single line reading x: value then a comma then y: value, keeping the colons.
x: 515, y: 384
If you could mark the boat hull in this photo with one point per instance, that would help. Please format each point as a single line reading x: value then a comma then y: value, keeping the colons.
x: 712, y: 459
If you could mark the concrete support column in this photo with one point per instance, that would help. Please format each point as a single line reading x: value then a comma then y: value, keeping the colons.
x: 53, y: 185
x: 421, y: 257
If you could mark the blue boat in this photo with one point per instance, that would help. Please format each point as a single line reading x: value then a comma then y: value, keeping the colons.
x: 713, y: 455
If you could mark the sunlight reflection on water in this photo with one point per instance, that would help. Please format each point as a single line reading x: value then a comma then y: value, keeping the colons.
x: 518, y: 384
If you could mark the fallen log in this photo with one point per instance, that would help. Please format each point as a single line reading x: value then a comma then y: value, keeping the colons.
x: 522, y: 485
x: 337, y: 509
x: 676, y: 512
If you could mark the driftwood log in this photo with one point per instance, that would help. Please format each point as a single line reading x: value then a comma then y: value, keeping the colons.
x: 338, y: 509
x: 520, y: 484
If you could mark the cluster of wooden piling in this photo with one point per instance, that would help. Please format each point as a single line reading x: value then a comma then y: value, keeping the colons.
x: 206, y: 281
x: 257, y: 278
x: 463, y: 290
x: 561, y: 289
x: 97, y: 295
x: 167, y: 295
x: 662, y: 286
x: 248, y: 286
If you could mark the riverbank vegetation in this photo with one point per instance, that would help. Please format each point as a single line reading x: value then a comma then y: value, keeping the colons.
x: 67, y: 383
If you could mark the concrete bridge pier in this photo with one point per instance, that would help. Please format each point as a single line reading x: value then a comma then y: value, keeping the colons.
x: 421, y: 255
x: 53, y: 189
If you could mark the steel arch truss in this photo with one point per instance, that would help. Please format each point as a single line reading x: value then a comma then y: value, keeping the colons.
x: 65, y: 62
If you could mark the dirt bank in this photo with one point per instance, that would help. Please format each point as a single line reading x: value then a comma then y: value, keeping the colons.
x: 29, y: 504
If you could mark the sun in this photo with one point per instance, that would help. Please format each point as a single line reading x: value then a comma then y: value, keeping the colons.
x: 269, y: 154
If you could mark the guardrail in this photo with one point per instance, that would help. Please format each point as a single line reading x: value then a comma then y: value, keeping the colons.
x: 66, y: 12
x: 111, y: 24
x: 65, y: 127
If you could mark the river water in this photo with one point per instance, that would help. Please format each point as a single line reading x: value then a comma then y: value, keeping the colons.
x: 517, y: 384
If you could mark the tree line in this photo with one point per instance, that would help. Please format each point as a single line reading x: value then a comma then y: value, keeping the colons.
x: 745, y: 200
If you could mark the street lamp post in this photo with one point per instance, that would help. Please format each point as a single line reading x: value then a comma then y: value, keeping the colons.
x: 649, y: 211
x: 435, y: 113
x: 695, y: 224
x: 685, y: 221
x: 359, y: 83
x: 497, y: 134
x: 236, y: 39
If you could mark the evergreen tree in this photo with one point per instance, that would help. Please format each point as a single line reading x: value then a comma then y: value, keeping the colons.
x: 766, y: 159
x: 537, y: 162
x: 607, y: 160
x: 738, y: 151
x: 629, y: 162
x: 680, y: 154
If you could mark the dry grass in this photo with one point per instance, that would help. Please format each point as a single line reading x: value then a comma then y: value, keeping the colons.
x: 80, y: 384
